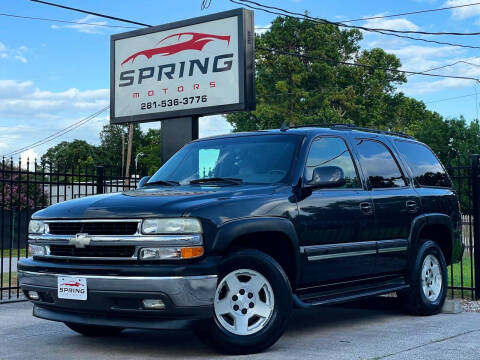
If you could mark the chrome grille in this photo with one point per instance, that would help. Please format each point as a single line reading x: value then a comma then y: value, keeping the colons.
x: 93, y: 228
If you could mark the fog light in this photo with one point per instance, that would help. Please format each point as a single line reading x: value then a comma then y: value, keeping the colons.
x: 153, y: 304
x: 36, y: 250
x: 33, y: 295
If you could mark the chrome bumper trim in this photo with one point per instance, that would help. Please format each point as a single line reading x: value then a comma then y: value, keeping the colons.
x: 183, y: 290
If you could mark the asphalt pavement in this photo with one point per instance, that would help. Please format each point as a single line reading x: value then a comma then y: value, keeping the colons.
x: 372, y: 329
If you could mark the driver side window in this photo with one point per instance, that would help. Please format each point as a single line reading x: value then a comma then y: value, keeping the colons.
x: 332, y: 151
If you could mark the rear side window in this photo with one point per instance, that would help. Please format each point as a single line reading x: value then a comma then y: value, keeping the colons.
x: 425, y: 166
x: 380, y: 166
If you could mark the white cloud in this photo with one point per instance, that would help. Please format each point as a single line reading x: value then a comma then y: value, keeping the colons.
x: 262, y: 29
x: 463, y: 12
x: 86, y: 25
x: 213, y: 125
x: 28, y: 156
x: 3, y: 56
x: 22, y: 98
x: 21, y: 58
x: 2, y: 47
x: 394, y: 24
x: 29, y: 114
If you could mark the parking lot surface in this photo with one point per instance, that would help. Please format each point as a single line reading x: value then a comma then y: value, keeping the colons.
x: 372, y: 329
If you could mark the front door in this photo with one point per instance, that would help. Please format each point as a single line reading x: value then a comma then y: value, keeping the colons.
x: 333, y: 223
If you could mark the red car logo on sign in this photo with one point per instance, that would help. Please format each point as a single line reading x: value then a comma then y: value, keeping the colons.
x: 197, y: 42
x: 76, y: 284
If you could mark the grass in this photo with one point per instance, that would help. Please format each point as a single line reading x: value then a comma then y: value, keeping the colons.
x: 14, y: 253
x: 5, y: 279
x: 456, y: 279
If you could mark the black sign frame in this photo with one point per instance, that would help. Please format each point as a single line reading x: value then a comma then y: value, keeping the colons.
x: 246, y: 68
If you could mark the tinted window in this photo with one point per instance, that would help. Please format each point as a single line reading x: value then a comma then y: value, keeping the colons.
x: 425, y: 166
x: 262, y: 159
x: 332, y: 152
x: 379, y: 165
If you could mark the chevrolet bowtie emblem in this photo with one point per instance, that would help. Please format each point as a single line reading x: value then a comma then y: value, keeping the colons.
x: 80, y: 240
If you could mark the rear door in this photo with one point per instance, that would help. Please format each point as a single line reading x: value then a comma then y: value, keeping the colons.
x: 395, y: 202
x: 333, y: 223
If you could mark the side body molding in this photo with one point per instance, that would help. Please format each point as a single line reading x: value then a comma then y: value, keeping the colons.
x: 233, y: 229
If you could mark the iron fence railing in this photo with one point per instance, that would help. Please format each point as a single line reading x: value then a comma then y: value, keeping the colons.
x: 28, y: 187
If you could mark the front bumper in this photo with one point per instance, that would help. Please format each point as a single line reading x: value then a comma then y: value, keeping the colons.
x: 115, y: 297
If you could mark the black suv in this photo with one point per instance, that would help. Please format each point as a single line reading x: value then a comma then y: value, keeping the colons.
x: 233, y: 231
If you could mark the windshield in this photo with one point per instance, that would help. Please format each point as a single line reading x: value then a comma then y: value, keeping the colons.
x: 263, y: 159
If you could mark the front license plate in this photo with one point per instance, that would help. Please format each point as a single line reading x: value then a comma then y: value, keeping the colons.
x: 73, y: 288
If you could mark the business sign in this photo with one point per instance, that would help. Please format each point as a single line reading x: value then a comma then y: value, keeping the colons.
x: 193, y: 67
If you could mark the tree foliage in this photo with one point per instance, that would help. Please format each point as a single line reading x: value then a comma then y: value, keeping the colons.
x: 78, y: 154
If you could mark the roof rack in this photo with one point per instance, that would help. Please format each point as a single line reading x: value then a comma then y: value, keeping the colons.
x: 352, y: 127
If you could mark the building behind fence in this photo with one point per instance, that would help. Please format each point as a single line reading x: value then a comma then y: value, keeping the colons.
x: 24, y: 190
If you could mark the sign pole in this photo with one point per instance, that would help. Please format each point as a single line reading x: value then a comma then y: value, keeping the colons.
x: 176, y: 133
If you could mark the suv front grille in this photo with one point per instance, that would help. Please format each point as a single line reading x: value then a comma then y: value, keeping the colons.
x: 93, y: 251
x: 93, y: 228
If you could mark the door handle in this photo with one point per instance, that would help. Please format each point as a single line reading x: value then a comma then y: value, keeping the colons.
x: 366, y: 207
x: 411, y: 205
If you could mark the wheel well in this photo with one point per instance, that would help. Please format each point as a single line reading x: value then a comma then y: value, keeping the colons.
x: 274, y: 243
x: 441, y: 235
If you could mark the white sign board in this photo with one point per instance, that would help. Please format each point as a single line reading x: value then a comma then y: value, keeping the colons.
x: 193, y: 67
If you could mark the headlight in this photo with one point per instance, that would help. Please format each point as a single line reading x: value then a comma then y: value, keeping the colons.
x: 37, y: 227
x: 171, y: 226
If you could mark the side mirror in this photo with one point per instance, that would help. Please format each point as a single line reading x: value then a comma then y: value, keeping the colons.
x: 326, y: 177
x: 142, y: 182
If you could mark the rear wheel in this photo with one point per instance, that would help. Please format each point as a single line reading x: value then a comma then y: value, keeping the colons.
x: 428, y: 281
x: 252, y: 305
x: 93, y: 330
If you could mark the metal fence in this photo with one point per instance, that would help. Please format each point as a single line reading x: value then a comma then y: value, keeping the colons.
x: 28, y: 187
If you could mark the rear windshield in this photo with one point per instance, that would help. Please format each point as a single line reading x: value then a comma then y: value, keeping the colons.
x: 425, y: 166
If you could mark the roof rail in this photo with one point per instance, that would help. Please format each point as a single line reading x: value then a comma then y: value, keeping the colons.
x: 354, y: 127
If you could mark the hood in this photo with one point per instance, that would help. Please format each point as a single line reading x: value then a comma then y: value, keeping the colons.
x: 149, y: 202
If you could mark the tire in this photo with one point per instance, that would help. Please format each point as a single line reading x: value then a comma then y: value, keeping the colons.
x: 426, y: 295
x: 236, y: 327
x: 94, y: 330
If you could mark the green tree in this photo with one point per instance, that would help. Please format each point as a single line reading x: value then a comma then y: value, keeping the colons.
x: 151, y: 149
x: 306, y: 89
x: 70, y: 154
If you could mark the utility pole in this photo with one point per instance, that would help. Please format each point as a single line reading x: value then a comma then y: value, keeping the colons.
x: 123, y: 153
x: 129, y: 153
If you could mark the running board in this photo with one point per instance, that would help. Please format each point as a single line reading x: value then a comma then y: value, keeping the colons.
x: 307, y: 301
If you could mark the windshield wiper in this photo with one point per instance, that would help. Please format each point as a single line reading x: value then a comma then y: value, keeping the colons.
x: 163, y: 182
x: 235, y: 181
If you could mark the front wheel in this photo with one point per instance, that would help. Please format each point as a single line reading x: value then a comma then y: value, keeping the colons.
x: 252, y: 304
x: 428, y: 281
x: 94, y: 330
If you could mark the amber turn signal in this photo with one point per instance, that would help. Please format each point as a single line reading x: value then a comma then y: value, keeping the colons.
x: 192, y: 252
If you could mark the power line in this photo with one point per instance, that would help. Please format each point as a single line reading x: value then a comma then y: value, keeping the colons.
x: 90, y: 13
x: 325, y: 21
x: 66, y: 21
x: 453, y: 64
x: 411, y: 13
x: 450, y: 98
x: 372, y: 67
x: 57, y: 134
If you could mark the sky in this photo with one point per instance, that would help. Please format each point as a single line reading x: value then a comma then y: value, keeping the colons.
x: 54, y: 74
